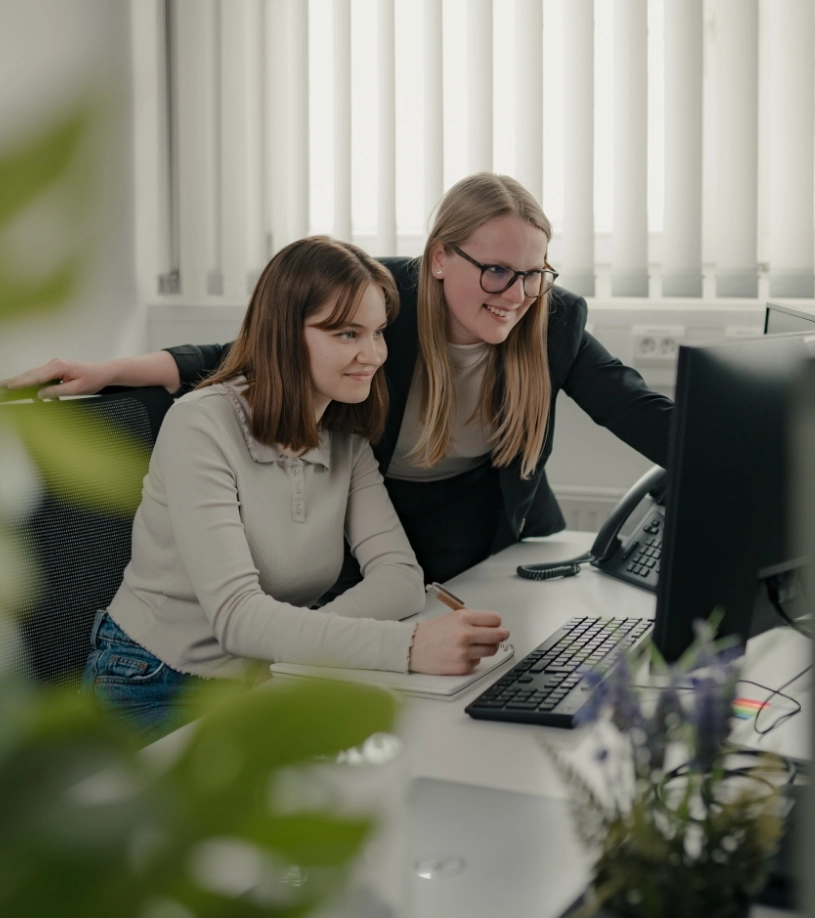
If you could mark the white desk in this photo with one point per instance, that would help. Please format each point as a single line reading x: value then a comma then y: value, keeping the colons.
x: 445, y: 743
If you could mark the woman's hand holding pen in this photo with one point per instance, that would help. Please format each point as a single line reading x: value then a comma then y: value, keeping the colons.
x: 452, y: 644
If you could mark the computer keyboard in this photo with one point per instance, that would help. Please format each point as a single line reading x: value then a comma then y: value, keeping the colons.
x: 549, y: 685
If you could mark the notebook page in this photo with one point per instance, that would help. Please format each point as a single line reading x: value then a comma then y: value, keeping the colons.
x: 412, y: 683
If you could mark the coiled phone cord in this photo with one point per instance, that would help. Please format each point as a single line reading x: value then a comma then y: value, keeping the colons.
x: 652, y: 482
x: 553, y: 569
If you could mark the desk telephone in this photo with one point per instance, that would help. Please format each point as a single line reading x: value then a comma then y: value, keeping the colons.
x: 629, y: 544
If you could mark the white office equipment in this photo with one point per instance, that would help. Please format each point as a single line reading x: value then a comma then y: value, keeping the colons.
x: 482, y: 852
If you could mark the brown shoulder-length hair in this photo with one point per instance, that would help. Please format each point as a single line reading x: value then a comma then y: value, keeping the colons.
x: 516, y: 389
x: 270, y: 350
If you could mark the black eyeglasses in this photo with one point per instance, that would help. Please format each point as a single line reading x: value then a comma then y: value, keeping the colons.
x: 498, y: 278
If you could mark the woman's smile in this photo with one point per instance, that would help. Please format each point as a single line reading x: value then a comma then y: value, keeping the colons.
x: 501, y: 314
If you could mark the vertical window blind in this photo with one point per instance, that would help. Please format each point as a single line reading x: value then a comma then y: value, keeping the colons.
x: 666, y: 139
x: 684, y: 66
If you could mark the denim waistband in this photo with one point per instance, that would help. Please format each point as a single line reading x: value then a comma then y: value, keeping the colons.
x: 105, y: 627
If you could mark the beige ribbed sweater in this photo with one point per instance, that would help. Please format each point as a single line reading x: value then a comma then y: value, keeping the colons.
x: 232, y: 543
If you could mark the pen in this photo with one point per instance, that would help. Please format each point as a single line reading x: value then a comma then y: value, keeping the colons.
x: 445, y: 596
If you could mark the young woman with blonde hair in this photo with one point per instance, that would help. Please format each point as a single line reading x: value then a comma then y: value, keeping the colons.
x: 482, y: 346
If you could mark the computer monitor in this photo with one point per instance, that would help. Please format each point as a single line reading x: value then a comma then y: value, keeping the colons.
x: 726, y: 517
x: 780, y: 318
x: 804, y: 450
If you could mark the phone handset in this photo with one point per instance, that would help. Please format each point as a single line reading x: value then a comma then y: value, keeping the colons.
x: 608, y: 540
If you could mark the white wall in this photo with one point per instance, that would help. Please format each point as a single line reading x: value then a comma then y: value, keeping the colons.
x: 53, y: 55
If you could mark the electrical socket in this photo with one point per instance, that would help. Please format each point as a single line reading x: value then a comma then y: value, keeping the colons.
x: 656, y: 344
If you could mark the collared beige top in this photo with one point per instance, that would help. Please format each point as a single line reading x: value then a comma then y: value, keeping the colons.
x: 233, y: 543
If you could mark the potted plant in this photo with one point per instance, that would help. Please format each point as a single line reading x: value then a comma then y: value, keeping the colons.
x: 682, y: 823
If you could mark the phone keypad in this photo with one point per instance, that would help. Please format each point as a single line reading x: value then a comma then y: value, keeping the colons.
x: 649, y: 550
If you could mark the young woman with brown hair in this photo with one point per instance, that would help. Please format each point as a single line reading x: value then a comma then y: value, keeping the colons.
x: 257, y: 479
x: 482, y: 346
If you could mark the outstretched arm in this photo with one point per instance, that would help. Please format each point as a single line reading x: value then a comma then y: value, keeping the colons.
x: 82, y: 377
x: 177, y: 367
x: 617, y: 397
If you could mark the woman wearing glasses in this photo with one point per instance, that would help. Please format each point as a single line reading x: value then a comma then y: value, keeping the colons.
x: 482, y: 346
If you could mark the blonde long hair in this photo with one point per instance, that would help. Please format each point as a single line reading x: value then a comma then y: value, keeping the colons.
x: 516, y: 389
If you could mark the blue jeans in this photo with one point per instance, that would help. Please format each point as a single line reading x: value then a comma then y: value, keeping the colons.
x: 137, y: 686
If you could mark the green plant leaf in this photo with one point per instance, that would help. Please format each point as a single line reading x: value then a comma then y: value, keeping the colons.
x: 309, y: 838
x: 18, y: 296
x: 83, y: 459
x: 301, y: 721
x: 27, y: 171
x: 30, y: 168
x: 90, y: 853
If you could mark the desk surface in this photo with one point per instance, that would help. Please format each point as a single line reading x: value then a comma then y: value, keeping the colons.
x: 445, y: 743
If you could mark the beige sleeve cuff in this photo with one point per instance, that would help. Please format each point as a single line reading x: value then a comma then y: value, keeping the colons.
x: 410, y: 646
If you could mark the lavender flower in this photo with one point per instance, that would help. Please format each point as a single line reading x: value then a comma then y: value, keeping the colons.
x: 670, y: 843
x: 708, y: 723
x: 598, y: 699
x: 623, y: 699
x: 712, y: 706
x: 705, y: 651
x: 668, y: 716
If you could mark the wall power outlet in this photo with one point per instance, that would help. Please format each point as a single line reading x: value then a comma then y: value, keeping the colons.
x: 656, y: 345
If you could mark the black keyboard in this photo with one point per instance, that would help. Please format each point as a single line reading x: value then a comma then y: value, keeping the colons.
x: 548, y: 686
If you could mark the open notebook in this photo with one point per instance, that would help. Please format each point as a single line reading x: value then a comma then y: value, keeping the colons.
x: 413, y: 683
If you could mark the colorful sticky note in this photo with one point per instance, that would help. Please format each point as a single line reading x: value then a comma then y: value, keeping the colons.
x: 745, y: 708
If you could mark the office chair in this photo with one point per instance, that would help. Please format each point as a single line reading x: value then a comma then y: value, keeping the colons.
x: 81, y: 551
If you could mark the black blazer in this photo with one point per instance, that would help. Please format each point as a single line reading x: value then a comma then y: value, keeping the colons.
x: 612, y: 394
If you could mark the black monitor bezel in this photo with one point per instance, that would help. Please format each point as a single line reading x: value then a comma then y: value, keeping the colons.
x: 691, y: 586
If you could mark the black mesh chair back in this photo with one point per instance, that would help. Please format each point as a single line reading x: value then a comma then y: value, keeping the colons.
x: 80, y: 551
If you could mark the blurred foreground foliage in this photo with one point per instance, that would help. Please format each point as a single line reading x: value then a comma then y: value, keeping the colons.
x: 199, y: 835
x: 89, y: 824
x: 63, y: 444
x: 55, y: 167
x: 51, y: 163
